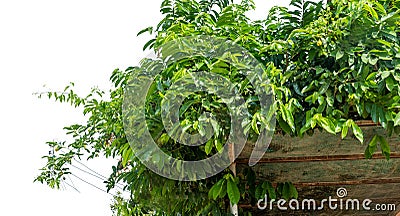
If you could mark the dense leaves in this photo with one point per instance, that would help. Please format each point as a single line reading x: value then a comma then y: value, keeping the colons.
x: 329, y: 65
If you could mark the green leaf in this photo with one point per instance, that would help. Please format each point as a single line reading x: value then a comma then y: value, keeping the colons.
x: 216, y: 189
x: 259, y: 192
x: 288, y: 117
x: 371, y: 11
x: 339, y: 54
x: 382, y: 117
x: 372, y: 76
x: 374, y: 113
x: 126, y: 156
x: 148, y: 29
x: 380, y: 8
x: 293, y: 191
x: 381, y: 54
x: 233, y: 191
x: 392, y: 15
x: 218, y: 145
x: 325, y: 123
x: 149, y: 44
x: 254, y: 125
x: 357, y: 132
x: 364, y: 58
x: 390, y: 83
x: 372, y: 60
x: 286, y: 191
x: 345, y: 130
x: 371, y: 148
x: 223, y: 191
x: 304, y: 129
x: 270, y: 189
x: 209, y: 146
x: 384, y: 42
x: 384, y: 147
x: 397, y: 119
x: 285, y: 127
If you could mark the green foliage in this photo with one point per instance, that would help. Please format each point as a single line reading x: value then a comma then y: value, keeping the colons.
x: 373, y: 146
x: 329, y: 66
x: 283, y: 190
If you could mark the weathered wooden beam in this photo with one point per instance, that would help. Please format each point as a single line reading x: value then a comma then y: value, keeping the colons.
x: 318, y: 158
x: 350, y: 182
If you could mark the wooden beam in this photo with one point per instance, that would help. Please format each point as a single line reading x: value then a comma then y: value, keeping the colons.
x: 350, y: 182
x: 318, y: 158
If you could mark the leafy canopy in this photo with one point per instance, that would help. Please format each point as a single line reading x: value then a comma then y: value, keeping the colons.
x: 329, y: 65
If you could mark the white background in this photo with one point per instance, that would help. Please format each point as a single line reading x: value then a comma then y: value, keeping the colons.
x: 52, y: 42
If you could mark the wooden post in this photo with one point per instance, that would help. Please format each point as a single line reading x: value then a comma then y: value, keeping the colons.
x: 232, y: 167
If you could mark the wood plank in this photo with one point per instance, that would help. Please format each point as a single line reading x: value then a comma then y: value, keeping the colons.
x: 351, y: 182
x: 318, y: 158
